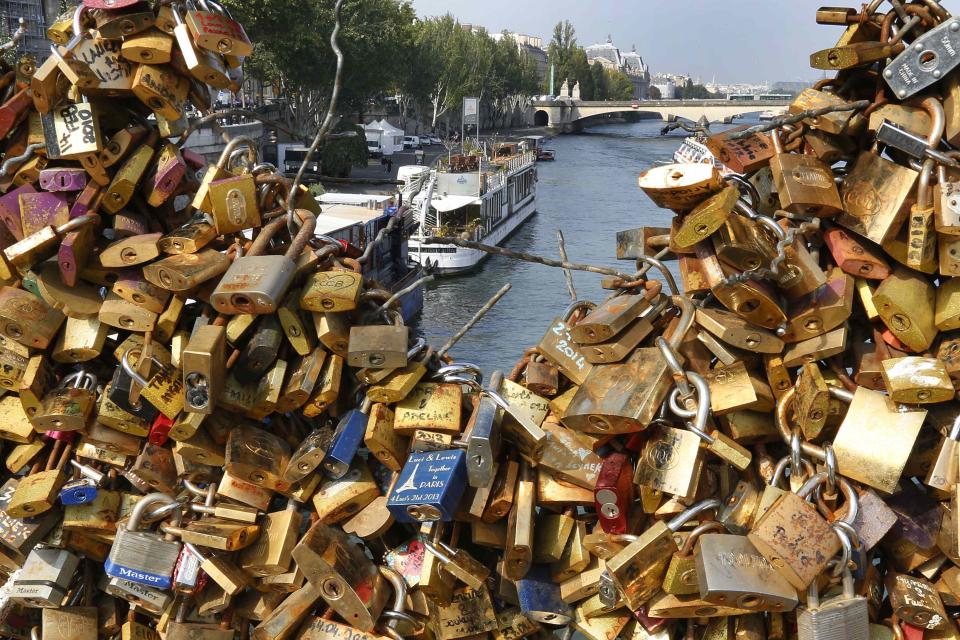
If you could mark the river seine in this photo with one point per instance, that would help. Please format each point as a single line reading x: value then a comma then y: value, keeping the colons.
x: 590, y: 192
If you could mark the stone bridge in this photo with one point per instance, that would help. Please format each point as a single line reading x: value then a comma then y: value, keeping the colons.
x: 566, y: 115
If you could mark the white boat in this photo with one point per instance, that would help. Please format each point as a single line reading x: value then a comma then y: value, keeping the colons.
x: 483, y: 199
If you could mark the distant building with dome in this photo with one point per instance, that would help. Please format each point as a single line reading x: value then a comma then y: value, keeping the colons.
x: 630, y: 63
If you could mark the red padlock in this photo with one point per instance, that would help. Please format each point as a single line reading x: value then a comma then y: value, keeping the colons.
x: 649, y: 623
x: 160, y: 431
x: 855, y: 255
x: 911, y: 632
x: 613, y: 493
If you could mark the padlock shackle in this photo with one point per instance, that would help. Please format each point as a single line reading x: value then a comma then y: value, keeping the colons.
x: 441, y: 554
x: 464, y: 380
x: 774, y: 135
x: 678, y: 521
x: 399, y: 587
x: 496, y: 379
x: 129, y: 370
x: 396, y: 614
x: 747, y: 211
x: 662, y: 268
x: 955, y: 429
x: 193, y: 488
x: 938, y: 122
x: 78, y: 31
x: 781, y: 467
x: 812, y: 483
x: 687, y: 312
x: 77, y: 223
x: 418, y: 346
x: 924, y: 192
x: 573, y: 307
x: 136, y: 515
x: 841, y: 566
x: 262, y: 241
x: 455, y: 369
x: 233, y: 144
x: 699, y: 425
x: 745, y: 185
x: 707, y: 527
x: 88, y: 472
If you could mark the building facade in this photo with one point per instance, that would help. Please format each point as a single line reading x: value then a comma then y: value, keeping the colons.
x: 631, y: 63
x: 665, y: 85
x: 530, y: 47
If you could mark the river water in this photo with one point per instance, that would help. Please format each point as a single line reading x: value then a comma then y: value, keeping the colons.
x: 590, y: 192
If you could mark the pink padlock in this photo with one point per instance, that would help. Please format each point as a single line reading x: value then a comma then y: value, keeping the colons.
x: 41, y: 210
x: 63, y: 179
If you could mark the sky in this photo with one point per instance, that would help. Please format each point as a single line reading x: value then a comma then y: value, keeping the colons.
x: 734, y: 40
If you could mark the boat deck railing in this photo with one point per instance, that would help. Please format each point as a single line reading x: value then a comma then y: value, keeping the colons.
x: 517, y: 161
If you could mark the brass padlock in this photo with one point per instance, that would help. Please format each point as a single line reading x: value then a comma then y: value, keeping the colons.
x: 161, y: 89
x: 37, y: 492
x: 623, y: 398
x: 69, y: 406
x: 331, y: 291
x: 794, y: 537
x: 257, y: 283
x: 379, y: 346
x: 875, y: 194
x: 681, y: 575
x: 874, y: 417
x: 203, y: 363
x: 637, y: 570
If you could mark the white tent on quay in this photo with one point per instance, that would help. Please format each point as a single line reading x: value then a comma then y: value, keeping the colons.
x: 389, y: 137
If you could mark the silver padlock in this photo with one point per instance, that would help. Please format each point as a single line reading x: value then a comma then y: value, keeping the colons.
x: 842, y: 617
x: 45, y: 577
x: 144, y: 557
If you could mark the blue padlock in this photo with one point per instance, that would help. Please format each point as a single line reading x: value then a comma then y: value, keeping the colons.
x: 346, y: 441
x: 430, y: 486
x: 82, y: 491
x: 540, y: 599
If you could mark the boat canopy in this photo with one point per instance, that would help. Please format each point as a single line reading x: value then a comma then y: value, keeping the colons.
x: 449, y: 203
x: 336, y: 217
x: 358, y: 199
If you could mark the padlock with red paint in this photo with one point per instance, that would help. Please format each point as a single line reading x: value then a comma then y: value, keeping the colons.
x: 613, y: 493
x: 160, y: 431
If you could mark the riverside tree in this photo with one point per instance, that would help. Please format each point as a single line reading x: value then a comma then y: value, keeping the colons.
x: 428, y: 65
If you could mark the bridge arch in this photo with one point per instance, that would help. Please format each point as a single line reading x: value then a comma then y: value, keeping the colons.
x: 570, y: 115
x: 541, y: 118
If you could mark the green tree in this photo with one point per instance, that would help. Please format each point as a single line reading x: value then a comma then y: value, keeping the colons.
x: 442, y: 51
x: 580, y: 72
x: 599, y: 77
x: 341, y: 154
x: 691, y: 91
x: 619, y: 86
x: 561, y: 50
x: 292, y: 52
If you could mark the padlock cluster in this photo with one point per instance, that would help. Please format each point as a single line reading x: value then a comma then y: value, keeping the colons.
x: 217, y: 425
